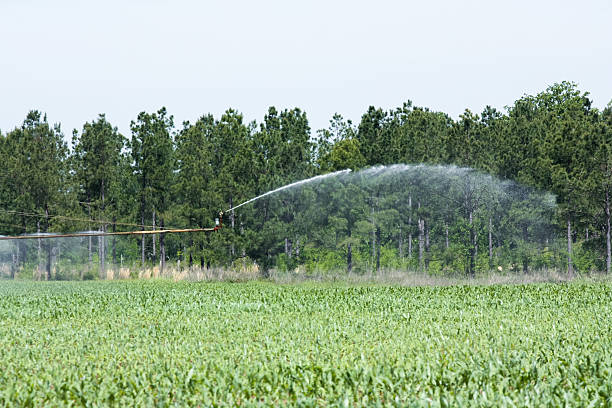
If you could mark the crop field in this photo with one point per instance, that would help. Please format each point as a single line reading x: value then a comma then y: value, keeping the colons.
x: 158, y: 343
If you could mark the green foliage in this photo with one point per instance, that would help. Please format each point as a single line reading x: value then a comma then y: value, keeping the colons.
x: 553, y: 141
x: 189, y: 344
x: 35, y: 173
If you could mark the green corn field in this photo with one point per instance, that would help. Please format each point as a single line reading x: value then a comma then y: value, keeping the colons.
x: 159, y: 343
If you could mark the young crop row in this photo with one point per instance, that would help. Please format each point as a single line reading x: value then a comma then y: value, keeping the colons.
x: 159, y: 343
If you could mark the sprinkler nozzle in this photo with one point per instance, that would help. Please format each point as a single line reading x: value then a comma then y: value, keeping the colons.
x: 219, y: 221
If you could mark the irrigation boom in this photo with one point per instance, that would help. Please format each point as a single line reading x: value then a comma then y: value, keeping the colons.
x: 218, y: 226
x: 218, y: 221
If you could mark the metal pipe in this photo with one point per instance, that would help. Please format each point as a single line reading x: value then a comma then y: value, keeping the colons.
x: 107, y: 234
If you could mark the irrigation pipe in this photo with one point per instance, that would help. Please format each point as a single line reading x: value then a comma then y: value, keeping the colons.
x: 107, y: 234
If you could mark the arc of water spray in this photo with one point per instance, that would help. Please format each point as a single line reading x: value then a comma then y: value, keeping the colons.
x: 297, y: 183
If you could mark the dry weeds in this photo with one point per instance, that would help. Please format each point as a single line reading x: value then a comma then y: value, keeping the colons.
x: 241, y: 272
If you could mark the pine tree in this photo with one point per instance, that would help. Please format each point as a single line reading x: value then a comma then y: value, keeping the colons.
x: 153, y: 154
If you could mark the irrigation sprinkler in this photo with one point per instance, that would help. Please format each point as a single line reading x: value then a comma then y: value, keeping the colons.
x: 217, y: 227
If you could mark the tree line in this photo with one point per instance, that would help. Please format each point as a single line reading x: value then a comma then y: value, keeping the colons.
x: 165, y: 175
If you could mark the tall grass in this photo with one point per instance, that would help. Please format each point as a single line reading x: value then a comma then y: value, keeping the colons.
x: 242, y: 272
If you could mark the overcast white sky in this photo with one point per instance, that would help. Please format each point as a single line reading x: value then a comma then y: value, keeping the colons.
x: 75, y: 59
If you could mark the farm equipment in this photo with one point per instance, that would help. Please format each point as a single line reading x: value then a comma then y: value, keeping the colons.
x: 217, y: 227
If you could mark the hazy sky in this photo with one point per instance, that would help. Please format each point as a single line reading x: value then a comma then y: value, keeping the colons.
x: 75, y: 59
